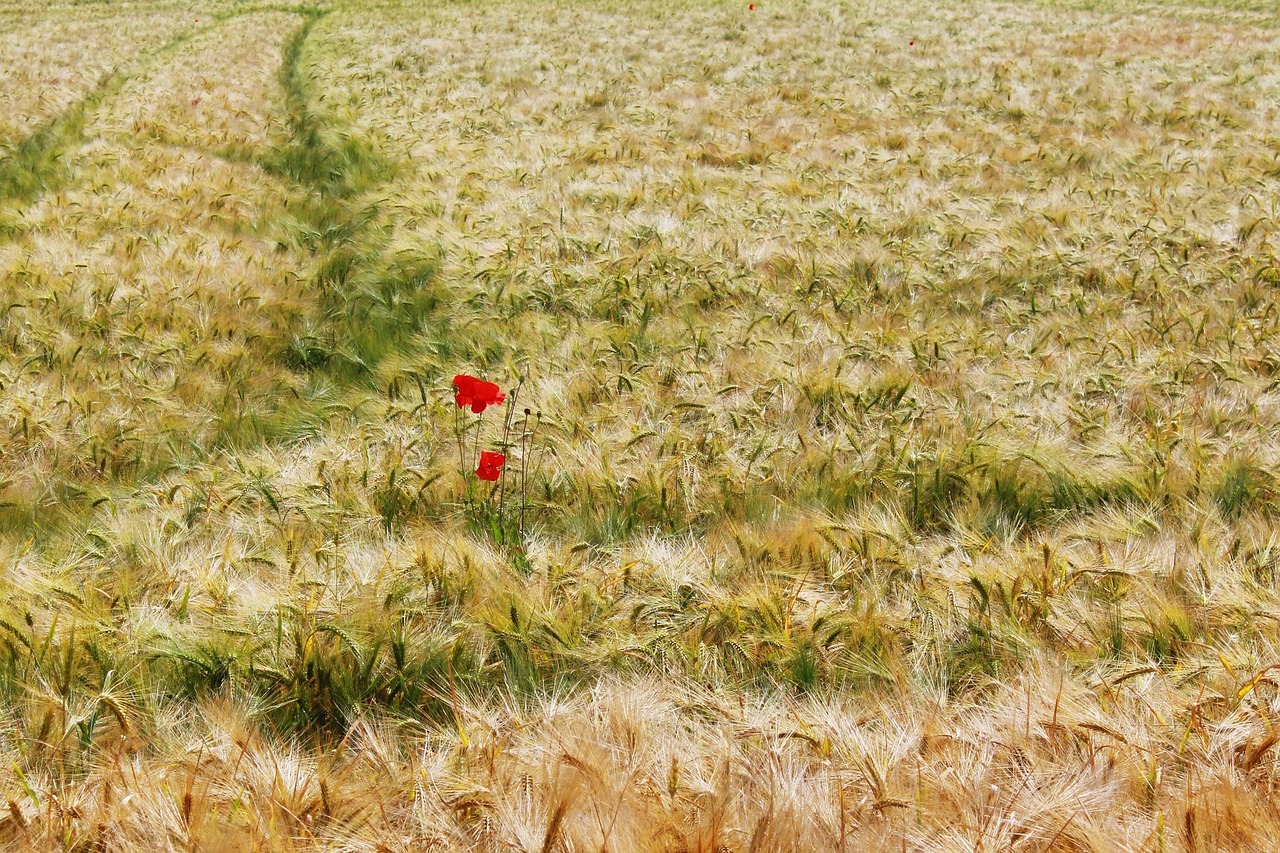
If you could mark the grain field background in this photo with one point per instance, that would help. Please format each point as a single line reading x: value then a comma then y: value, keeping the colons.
x: 900, y: 458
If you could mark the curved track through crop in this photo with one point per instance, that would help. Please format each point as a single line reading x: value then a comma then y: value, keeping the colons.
x: 322, y: 178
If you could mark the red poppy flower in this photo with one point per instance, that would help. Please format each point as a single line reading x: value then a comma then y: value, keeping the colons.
x: 490, y: 465
x: 476, y: 393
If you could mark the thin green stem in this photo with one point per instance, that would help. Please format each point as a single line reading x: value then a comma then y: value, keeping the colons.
x: 506, y: 445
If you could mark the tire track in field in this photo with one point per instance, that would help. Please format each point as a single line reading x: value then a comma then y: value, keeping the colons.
x: 140, y: 244
x: 351, y: 309
x: 146, y: 308
x: 372, y: 302
x: 50, y: 60
x: 328, y: 169
x: 32, y: 167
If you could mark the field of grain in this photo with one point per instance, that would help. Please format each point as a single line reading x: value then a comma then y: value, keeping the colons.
x: 898, y: 418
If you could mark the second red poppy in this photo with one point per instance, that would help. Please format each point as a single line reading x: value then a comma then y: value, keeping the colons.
x: 490, y: 465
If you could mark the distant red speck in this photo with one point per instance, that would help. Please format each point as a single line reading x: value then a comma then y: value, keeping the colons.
x: 751, y: 7
x: 195, y: 102
x: 912, y: 43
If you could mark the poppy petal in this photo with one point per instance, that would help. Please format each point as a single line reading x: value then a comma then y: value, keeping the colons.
x: 466, y: 386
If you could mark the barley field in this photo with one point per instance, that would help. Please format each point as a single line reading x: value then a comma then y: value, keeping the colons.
x: 891, y: 434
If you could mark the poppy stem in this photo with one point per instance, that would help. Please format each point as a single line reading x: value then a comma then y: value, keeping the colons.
x: 538, y: 419
x: 479, y: 424
x: 524, y: 442
x: 506, y: 447
x: 462, y: 458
